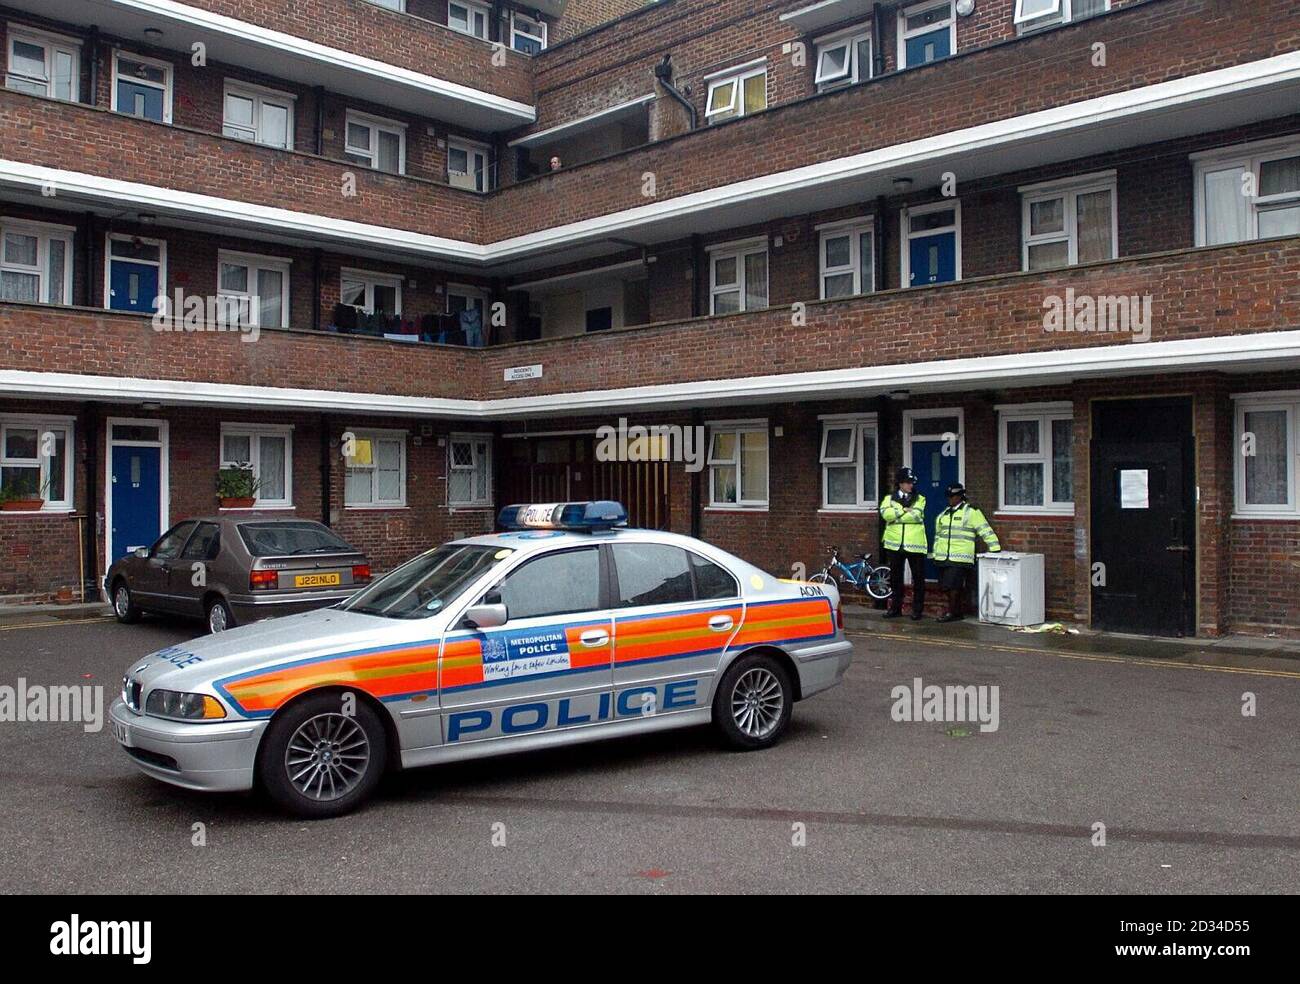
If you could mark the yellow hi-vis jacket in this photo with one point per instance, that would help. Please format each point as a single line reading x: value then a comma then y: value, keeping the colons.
x: 904, y: 525
x: 955, y: 531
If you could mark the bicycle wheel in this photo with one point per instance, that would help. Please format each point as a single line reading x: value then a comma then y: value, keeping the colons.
x: 878, y: 583
x: 823, y: 577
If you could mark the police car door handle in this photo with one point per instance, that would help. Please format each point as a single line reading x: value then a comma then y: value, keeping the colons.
x: 594, y: 637
x: 721, y: 623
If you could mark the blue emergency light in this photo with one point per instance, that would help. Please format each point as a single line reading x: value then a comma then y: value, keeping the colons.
x: 577, y: 516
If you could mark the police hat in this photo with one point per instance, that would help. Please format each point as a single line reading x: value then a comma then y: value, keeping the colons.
x: 956, y: 488
x: 905, y: 475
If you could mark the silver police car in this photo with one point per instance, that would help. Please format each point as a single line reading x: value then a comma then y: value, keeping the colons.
x: 566, y: 627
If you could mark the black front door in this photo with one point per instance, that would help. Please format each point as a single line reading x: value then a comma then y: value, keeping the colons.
x: 1143, y: 494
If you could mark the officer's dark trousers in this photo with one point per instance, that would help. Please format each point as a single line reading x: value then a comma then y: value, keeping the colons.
x: 898, y: 560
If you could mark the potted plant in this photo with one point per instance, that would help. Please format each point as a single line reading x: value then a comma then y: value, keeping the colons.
x: 21, y: 497
x: 237, y: 487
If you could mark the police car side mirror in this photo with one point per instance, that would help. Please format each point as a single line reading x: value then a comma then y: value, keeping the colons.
x: 486, y: 616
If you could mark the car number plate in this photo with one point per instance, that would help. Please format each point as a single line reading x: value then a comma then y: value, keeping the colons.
x: 122, y: 733
x: 317, y: 580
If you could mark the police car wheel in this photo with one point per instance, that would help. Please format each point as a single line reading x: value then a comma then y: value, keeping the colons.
x: 322, y: 756
x: 220, y: 617
x: 124, y: 605
x: 753, y: 703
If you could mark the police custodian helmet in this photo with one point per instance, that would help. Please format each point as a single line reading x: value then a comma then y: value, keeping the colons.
x: 905, y: 475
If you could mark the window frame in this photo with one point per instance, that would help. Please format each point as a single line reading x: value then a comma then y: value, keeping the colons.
x: 1069, y: 190
x: 1043, y: 415
x: 471, y: 9
x: 370, y: 279
x: 45, y: 233
x: 907, y: 235
x: 43, y: 424
x: 482, y: 500
x: 1244, y: 403
x: 255, y: 433
x: 855, y: 229
x: 376, y: 125
x: 737, y: 428
x: 375, y: 435
x: 1251, y: 158
x: 517, y: 15
x: 853, y: 73
x: 256, y: 263
x: 168, y: 86
x: 400, y: 7
x: 52, y: 44
x: 260, y: 96
x: 904, y: 35
x: 736, y: 76
x: 471, y: 148
x: 861, y: 424
x: 1064, y: 14
x: 739, y: 252
x: 160, y: 263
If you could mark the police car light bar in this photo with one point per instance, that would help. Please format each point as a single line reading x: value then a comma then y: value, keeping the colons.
x: 578, y: 516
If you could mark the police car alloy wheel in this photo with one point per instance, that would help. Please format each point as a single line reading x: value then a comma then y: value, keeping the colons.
x: 123, y: 605
x: 219, y: 617
x: 753, y: 703
x: 322, y: 756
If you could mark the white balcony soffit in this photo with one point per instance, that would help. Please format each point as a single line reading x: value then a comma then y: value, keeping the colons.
x: 284, y: 56
x: 1201, y: 103
x: 816, y: 16
x: 1259, y: 352
x: 593, y: 121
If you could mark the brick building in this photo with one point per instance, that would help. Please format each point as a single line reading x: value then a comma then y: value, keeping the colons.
x: 1047, y: 247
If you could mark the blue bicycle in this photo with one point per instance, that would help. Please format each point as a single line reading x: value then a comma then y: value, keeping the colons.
x: 860, y: 574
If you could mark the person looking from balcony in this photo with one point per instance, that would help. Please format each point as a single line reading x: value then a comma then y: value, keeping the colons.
x: 955, y: 532
x: 904, y: 543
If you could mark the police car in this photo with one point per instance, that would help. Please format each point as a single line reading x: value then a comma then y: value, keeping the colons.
x: 566, y: 627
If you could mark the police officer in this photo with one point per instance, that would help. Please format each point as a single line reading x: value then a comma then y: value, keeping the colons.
x: 955, y: 532
x: 904, y: 543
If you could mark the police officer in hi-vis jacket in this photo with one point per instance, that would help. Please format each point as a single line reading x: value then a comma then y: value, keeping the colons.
x: 955, y: 532
x: 904, y: 543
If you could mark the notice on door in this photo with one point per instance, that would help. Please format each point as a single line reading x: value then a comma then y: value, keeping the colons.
x: 1134, y: 488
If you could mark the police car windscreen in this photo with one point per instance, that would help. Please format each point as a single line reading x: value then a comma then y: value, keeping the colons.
x: 422, y: 587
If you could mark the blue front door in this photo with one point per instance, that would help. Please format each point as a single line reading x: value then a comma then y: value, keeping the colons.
x: 133, y: 286
x: 935, y: 471
x: 933, y: 259
x: 137, y: 494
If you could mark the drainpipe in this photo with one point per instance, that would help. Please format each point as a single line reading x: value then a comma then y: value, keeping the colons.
x: 89, y: 547
x: 664, y: 73
x: 696, y: 275
x: 92, y: 53
x: 88, y: 280
x: 326, y: 472
x: 878, y: 41
x: 697, y: 421
x: 317, y: 283
x: 882, y: 240
x: 320, y: 121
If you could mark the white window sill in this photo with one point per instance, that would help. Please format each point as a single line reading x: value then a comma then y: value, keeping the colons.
x: 1270, y: 516
x: 736, y: 509
x: 55, y: 511
x: 469, y: 506
x: 849, y: 510
x: 1023, y: 513
x: 379, y: 507
x: 256, y: 508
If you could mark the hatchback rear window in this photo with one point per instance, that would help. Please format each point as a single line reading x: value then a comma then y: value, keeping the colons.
x: 291, y: 539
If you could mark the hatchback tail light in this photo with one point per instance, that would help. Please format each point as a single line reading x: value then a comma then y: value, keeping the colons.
x: 360, y: 573
x: 263, y: 580
x: 839, y: 615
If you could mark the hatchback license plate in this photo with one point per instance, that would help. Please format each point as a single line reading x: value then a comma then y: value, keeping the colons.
x: 122, y: 733
x: 317, y: 580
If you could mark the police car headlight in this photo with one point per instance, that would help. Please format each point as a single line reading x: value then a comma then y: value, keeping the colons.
x: 183, y: 707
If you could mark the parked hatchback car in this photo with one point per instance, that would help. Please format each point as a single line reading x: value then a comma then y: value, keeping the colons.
x: 232, y: 571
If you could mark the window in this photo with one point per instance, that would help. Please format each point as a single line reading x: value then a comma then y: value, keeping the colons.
x: 34, y: 459
x: 652, y: 574
x: 170, y: 543
x: 738, y: 464
x: 373, y: 293
x: 849, y: 463
x: 561, y: 583
x: 269, y: 450
x: 258, y: 116
x: 376, y: 471
x: 527, y: 34
x: 711, y: 581
x: 1036, y: 459
x: 1248, y: 193
x: 736, y: 92
x: 1266, y: 465
x: 848, y: 260
x: 35, y: 263
x: 467, y: 166
x: 1069, y: 223
x: 738, y: 277
x: 375, y: 143
x: 468, y: 18
x: 1031, y: 14
x: 469, y: 470
x: 844, y: 60
x: 204, y: 544
x: 142, y: 87
x: 258, y: 285
x: 44, y: 65
x: 927, y: 32
x: 399, y: 5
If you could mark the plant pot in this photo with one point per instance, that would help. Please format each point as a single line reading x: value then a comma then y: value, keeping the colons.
x: 22, y: 505
x: 238, y: 503
x: 64, y: 596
